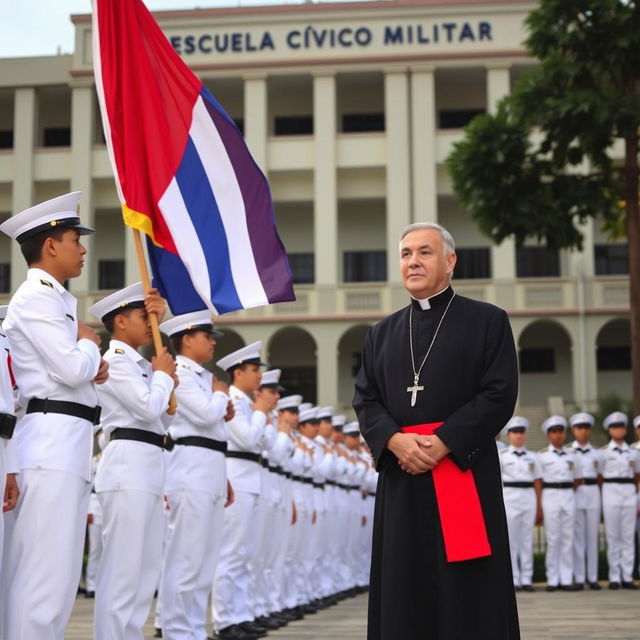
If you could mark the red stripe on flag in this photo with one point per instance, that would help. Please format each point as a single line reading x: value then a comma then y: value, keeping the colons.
x: 463, y: 527
x: 149, y: 94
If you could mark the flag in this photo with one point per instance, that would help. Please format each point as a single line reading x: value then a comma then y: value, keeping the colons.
x: 183, y: 172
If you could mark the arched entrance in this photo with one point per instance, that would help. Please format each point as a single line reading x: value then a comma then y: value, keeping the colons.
x: 349, y: 360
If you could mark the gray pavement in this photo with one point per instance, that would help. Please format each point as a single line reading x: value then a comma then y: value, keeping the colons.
x: 587, y: 615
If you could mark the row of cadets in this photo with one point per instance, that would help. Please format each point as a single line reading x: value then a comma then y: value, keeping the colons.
x: 8, y: 462
x: 196, y: 486
x: 56, y: 362
x: 248, y: 435
x: 129, y: 479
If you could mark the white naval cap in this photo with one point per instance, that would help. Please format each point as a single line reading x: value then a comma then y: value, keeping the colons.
x: 351, y: 429
x: 553, y: 421
x: 58, y: 212
x: 325, y: 413
x: 615, y: 418
x: 271, y: 378
x: 129, y: 297
x: 636, y: 422
x: 195, y: 321
x: 581, y: 418
x: 308, y: 415
x: 3, y: 311
x: 517, y: 422
x: 289, y: 402
x: 305, y: 405
x: 338, y: 422
x: 246, y: 355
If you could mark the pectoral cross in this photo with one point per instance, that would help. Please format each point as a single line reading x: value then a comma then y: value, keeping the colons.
x: 414, y: 390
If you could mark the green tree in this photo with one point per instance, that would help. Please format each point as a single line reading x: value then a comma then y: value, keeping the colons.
x: 542, y: 165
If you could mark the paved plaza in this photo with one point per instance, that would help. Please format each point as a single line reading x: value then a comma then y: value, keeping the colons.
x: 588, y: 615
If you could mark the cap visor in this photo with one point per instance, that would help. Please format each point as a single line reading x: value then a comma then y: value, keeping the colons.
x: 82, y: 230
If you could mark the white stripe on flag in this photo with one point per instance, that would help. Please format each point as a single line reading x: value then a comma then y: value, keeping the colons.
x: 225, y: 187
x: 186, y: 240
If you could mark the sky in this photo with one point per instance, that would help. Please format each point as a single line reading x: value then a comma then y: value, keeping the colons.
x: 43, y: 27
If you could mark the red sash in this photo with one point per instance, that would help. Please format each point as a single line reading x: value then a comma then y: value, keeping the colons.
x: 463, y: 527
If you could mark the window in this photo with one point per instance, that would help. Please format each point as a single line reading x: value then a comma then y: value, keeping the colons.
x: 293, y: 125
x: 110, y: 274
x: 5, y: 277
x: 473, y: 263
x: 365, y: 266
x: 57, y: 137
x: 6, y: 139
x: 537, y: 262
x: 300, y: 380
x: 302, y: 267
x: 457, y: 118
x: 611, y: 259
x: 537, y: 361
x: 613, y: 358
x: 358, y: 122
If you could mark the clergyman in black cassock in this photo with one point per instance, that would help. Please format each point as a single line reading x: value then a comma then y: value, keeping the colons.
x: 470, y: 384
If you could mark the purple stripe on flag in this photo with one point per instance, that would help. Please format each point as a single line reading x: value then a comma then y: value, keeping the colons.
x: 268, y: 251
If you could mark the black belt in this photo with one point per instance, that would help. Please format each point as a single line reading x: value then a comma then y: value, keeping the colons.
x: 372, y: 494
x: 619, y: 480
x: 331, y: 483
x: 245, y: 455
x: 205, y: 443
x: 305, y: 480
x: 590, y: 481
x: 346, y: 487
x: 557, y: 485
x: 7, y: 425
x: 287, y: 474
x: 518, y: 485
x: 263, y: 462
x: 319, y: 485
x: 91, y: 414
x: 139, y: 435
x: 276, y: 469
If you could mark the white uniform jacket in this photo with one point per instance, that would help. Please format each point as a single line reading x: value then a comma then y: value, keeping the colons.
x: 559, y: 465
x: 200, y: 413
x: 50, y: 362
x: 587, y: 494
x: 8, y: 460
x: 519, y: 465
x: 248, y: 431
x: 621, y: 462
x: 134, y: 397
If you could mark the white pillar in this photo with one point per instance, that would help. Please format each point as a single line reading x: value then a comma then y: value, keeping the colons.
x: 423, y: 144
x: 256, y: 111
x: 82, y: 114
x: 503, y: 256
x: 325, y: 190
x: 396, y: 98
x: 327, y: 365
x: 24, y: 136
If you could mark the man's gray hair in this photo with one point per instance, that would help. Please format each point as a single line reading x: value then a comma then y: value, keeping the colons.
x: 447, y: 238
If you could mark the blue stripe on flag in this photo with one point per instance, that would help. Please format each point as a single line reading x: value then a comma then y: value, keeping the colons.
x: 203, y: 210
x: 173, y: 281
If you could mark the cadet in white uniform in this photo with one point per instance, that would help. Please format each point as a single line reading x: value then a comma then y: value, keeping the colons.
x: 196, y: 483
x: 248, y: 432
x: 130, y: 476
x: 55, y: 362
x: 94, y: 537
x: 560, y: 475
x: 620, y: 474
x: 522, y: 491
x: 8, y: 462
x: 585, y: 535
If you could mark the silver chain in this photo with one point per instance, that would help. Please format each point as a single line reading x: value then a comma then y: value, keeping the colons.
x: 416, y: 374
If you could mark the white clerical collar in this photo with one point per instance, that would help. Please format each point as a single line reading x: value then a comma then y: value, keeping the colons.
x: 425, y: 303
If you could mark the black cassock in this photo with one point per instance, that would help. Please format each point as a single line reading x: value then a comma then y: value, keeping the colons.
x: 470, y: 383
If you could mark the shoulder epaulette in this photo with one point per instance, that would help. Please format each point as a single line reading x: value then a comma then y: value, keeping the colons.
x: 503, y: 450
x: 46, y: 283
x: 118, y: 351
x: 185, y: 366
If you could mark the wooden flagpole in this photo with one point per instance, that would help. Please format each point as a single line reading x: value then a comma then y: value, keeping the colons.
x: 153, y: 318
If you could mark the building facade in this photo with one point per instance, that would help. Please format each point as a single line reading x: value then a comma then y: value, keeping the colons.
x: 351, y: 110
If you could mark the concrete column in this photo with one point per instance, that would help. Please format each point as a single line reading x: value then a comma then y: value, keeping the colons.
x: 325, y: 189
x: 24, y: 136
x: 503, y: 256
x: 256, y: 110
x: 82, y: 127
x: 327, y: 365
x: 423, y: 147
x: 396, y: 99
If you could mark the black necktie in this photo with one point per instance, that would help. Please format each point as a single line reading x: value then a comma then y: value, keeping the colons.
x: 618, y: 449
x: 559, y: 453
x: 582, y: 450
x: 519, y: 453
